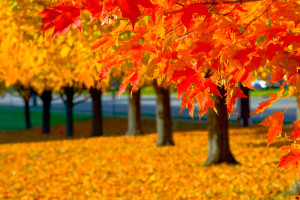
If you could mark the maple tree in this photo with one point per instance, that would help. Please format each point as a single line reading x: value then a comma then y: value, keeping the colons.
x: 41, y: 68
x: 13, y: 53
x: 206, y: 48
x: 27, y: 65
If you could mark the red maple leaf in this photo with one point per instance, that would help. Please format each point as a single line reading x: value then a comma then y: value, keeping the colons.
x: 290, y: 38
x: 202, y: 47
x: 272, y: 49
x: 242, y: 55
x: 188, y: 11
x: 237, y: 93
x: 274, y: 122
x: 133, y: 79
x: 61, y: 16
x: 292, y: 159
x: 254, y: 64
x: 296, y: 132
x: 93, y: 6
x: 277, y: 75
x: 266, y: 104
x: 131, y: 10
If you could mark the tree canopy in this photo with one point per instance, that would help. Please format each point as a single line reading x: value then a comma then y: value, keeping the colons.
x: 200, y: 46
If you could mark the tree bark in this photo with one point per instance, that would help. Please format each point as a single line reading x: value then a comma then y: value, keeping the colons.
x: 46, y: 97
x: 97, y: 124
x: 34, y: 99
x: 27, y: 114
x: 69, y: 92
x: 163, y: 117
x: 245, y: 107
x: 26, y: 94
x: 218, y: 142
x: 134, y: 114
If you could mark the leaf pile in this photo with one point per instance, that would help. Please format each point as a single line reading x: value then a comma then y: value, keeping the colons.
x: 118, y: 167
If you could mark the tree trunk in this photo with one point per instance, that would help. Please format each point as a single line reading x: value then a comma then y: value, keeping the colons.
x: 134, y: 114
x: 69, y: 92
x: 46, y: 97
x: 245, y: 107
x: 34, y: 99
x: 163, y: 116
x: 97, y: 124
x: 218, y: 142
x: 27, y: 114
x: 26, y: 94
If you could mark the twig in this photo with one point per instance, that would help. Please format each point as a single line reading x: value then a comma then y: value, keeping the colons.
x: 253, y: 20
x: 290, y: 105
x: 269, y: 21
x: 63, y: 98
x: 216, y: 3
x: 82, y: 101
x: 232, y: 9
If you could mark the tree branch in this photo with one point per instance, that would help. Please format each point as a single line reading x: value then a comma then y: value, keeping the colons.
x: 82, y: 101
x: 270, y: 27
x: 253, y: 20
x: 63, y: 98
x: 216, y: 3
x: 232, y: 9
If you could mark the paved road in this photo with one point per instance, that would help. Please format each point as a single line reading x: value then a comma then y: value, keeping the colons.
x: 118, y: 107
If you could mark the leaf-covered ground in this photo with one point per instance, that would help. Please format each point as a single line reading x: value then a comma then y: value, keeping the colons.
x: 36, y: 166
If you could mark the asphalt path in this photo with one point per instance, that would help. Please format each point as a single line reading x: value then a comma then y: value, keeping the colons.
x: 113, y: 106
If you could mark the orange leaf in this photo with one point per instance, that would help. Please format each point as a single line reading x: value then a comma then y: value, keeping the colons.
x: 292, y: 159
x: 99, y: 43
x: 266, y: 104
x: 230, y: 100
x: 296, y: 132
x: 188, y: 11
x: 274, y: 122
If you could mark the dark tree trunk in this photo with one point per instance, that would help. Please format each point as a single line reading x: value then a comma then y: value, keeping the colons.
x: 218, y: 143
x: 163, y: 116
x: 134, y: 114
x: 69, y: 92
x: 25, y: 93
x: 27, y: 114
x: 97, y: 124
x: 34, y: 99
x: 46, y: 97
x: 245, y: 106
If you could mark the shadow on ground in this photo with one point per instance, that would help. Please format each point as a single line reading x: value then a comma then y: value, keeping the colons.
x: 112, y: 127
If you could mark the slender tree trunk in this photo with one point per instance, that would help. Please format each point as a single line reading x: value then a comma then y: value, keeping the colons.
x: 27, y: 114
x: 26, y: 94
x: 34, y: 99
x: 69, y: 92
x: 245, y: 107
x: 163, y: 117
x: 134, y: 114
x: 218, y: 143
x: 97, y: 124
x: 46, y: 97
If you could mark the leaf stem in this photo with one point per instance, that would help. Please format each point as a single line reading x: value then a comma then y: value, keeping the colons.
x: 290, y: 105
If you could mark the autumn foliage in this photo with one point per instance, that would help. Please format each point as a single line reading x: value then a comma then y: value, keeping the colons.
x: 199, y: 46
x: 36, y: 166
